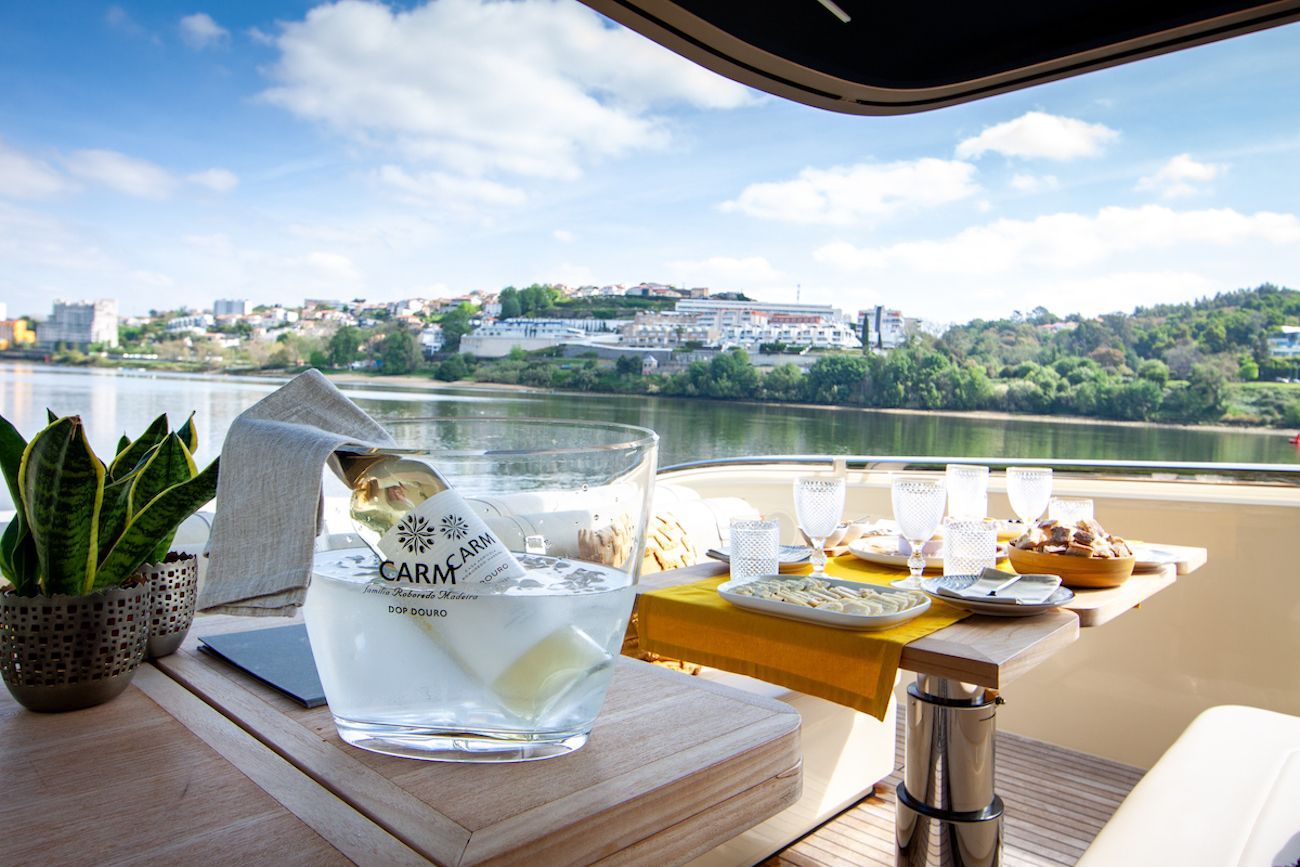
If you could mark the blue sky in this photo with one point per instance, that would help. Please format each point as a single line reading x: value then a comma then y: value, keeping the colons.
x: 168, y: 156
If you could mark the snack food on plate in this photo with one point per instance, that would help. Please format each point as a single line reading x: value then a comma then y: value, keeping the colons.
x: 1082, y: 538
x: 815, y: 593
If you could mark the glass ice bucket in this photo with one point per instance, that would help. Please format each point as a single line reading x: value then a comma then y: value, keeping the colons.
x: 482, y: 617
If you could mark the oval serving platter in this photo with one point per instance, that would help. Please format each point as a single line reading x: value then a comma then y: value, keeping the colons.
x: 836, y: 619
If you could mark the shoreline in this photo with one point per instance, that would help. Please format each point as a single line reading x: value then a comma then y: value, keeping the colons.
x: 981, y: 414
x: 426, y: 383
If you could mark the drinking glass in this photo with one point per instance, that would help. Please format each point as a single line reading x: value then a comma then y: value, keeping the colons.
x: 754, y: 548
x: 1069, y: 510
x: 918, y: 510
x: 968, y: 491
x: 969, y: 547
x: 818, y: 504
x: 1029, y: 489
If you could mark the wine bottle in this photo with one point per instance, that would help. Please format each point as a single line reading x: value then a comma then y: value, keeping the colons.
x: 422, y: 529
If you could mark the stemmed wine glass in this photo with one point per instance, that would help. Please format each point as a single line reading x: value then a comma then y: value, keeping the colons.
x: 1029, y: 489
x: 918, y: 511
x: 818, y: 504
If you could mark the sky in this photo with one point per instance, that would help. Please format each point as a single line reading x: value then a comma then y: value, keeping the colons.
x: 168, y: 156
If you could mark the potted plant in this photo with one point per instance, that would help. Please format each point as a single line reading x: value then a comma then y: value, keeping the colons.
x: 75, y: 622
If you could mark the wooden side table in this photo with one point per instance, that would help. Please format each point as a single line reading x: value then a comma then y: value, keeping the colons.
x: 674, y: 767
x: 156, y: 775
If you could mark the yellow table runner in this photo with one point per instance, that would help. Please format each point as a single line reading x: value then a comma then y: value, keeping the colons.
x: 692, y: 622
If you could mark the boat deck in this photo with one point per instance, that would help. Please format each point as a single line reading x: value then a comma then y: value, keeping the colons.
x: 1056, y: 802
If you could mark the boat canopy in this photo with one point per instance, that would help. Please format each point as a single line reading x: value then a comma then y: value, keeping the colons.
x: 872, y: 58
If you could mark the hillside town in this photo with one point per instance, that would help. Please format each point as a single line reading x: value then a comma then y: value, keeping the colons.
x: 652, y: 321
x: 1233, y: 357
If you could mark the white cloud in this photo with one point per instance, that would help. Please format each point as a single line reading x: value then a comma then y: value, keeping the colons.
x: 219, y: 180
x: 726, y: 272
x: 1179, y: 177
x: 200, y: 31
x: 24, y: 177
x: 847, y: 194
x: 449, y: 189
x: 1067, y: 241
x: 329, y: 268
x: 119, y: 19
x: 564, y: 236
x: 1040, y: 135
x: 120, y: 172
x: 1023, y: 183
x: 533, y: 88
x: 152, y: 279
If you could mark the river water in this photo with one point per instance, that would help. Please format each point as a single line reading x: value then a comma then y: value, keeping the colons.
x: 113, y: 401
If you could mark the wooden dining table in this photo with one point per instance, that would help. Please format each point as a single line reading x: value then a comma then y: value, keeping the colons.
x: 199, y: 762
x: 960, y: 671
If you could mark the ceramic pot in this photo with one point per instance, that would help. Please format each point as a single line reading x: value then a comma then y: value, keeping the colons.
x: 60, y: 653
x: 173, y: 587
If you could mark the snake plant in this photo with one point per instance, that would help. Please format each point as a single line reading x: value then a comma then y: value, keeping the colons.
x: 83, y: 525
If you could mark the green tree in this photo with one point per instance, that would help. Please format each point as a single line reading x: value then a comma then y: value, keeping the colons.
x: 399, y: 354
x: 628, y: 365
x: 455, y: 325
x: 1138, y: 400
x: 509, y: 300
x: 1248, y: 370
x: 837, y: 379
x: 344, y: 346
x: 453, y: 369
x: 1154, y: 370
x: 783, y: 382
x: 731, y: 375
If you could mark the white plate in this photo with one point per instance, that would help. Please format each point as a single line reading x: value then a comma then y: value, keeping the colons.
x: 930, y: 586
x: 884, y: 551
x: 837, y: 619
x: 1150, y: 557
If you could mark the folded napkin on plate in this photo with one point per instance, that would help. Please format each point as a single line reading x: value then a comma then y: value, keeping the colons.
x: 269, y: 495
x: 993, y: 586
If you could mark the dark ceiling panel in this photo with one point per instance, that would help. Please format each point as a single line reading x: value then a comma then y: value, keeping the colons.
x: 893, y: 58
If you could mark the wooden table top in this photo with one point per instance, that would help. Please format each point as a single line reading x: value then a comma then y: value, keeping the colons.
x: 674, y: 766
x: 993, y: 651
x: 158, y: 776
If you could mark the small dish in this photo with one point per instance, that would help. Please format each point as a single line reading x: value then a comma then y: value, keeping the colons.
x: 1148, y: 558
x: 836, y: 619
x: 932, y: 586
x: 884, y: 550
x: 789, y: 558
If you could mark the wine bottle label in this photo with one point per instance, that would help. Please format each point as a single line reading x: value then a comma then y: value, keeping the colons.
x: 443, y: 541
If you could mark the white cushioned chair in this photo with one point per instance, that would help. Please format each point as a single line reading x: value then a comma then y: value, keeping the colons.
x: 1226, y: 793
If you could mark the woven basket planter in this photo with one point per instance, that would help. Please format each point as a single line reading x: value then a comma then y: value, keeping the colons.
x: 173, y: 587
x: 62, y: 653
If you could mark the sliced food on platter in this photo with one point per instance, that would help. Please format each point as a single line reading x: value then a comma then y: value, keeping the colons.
x: 827, y: 601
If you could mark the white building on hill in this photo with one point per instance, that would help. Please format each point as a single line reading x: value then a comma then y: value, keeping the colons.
x: 79, y: 324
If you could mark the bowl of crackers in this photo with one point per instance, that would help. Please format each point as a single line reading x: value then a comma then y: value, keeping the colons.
x: 1081, y: 552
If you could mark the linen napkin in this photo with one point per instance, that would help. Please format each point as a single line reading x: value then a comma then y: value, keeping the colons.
x: 269, y: 495
x: 1028, y: 589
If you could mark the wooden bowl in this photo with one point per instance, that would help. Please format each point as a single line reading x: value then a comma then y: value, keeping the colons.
x: 1086, y: 572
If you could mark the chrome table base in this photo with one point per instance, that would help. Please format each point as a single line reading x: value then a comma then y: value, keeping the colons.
x: 947, y: 812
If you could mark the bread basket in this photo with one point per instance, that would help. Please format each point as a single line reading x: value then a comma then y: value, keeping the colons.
x: 1085, y: 572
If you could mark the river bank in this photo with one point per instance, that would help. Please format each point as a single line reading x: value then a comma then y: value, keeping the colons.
x: 115, y: 400
x: 408, y: 381
x: 424, y: 382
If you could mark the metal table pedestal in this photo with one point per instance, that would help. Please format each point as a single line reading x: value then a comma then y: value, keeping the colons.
x: 947, y: 812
